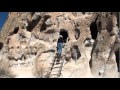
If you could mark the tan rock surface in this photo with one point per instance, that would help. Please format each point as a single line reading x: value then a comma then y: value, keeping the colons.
x: 29, y: 41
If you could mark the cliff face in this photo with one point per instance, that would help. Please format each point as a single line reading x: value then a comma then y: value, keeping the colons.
x: 28, y: 40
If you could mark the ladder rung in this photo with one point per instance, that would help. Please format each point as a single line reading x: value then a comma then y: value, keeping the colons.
x: 55, y: 68
x: 53, y: 74
x: 57, y: 64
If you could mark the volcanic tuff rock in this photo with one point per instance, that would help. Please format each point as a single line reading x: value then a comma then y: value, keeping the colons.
x: 28, y: 40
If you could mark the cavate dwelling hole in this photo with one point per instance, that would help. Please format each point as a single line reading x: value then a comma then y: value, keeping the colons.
x: 33, y: 23
x: 1, y: 45
x: 109, y: 25
x: 43, y: 27
x: 117, y: 15
x: 93, y: 29
x: 117, y: 59
x: 75, y: 53
x: 77, y: 33
x: 15, y: 31
x: 83, y: 13
x: 64, y: 33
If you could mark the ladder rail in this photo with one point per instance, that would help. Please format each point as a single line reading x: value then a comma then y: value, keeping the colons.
x: 60, y: 68
x: 61, y: 65
x: 50, y: 68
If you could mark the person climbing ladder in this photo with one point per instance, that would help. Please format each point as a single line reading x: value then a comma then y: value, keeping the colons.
x: 59, y: 46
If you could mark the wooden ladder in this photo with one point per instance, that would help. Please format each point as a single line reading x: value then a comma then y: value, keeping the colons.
x: 56, y: 68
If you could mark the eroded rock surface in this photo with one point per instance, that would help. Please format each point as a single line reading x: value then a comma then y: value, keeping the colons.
x: 28, y: 40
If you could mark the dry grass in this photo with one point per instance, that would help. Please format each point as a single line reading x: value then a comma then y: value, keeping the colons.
x: 5, y: 70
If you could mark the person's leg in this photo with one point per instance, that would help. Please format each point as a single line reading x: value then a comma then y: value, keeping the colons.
x: 61, y: 48
x: 58, y: 49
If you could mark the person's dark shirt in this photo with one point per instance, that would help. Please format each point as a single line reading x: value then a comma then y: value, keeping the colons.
x: 60, y: 40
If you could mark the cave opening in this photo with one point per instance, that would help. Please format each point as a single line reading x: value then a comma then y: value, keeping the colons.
x: 1, y: 45
x: 94, y: 30
x: 44, y: 27
x: 64, y: 33
x: 16, y: 30
x: 33, y: 23
x: 117, y: 59
x: 75, y: 53
x: 83, y: 13
x: 77, y: 33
